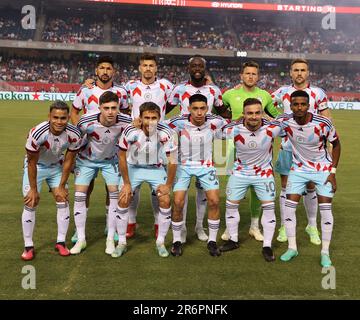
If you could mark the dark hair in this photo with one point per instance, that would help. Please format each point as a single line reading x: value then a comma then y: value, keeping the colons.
x: 251, y: 101
x: 250, y: 64
x: 299, y: 60
x: 150, y: 106
x: 59, y: 105
x: 197, y: 98
x: 108, y: 96
x: 105, y: 59
x: 300, y: 93
x: 148, y: 56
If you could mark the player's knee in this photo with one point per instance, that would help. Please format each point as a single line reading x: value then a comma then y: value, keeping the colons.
x: 179, y: 203
x: 164, y: 202
x: 213, y: 202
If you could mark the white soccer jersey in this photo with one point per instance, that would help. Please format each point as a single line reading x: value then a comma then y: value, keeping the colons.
x: 281, y: 98
x: 101, y: 141
x: 157, y: 92
x: 254, y: 149
x: 50, y: 146
x: 183, y: 91
x: 143, y: 150
x: 309, y: 142
x: 196, y: 143
x: 88, y: 99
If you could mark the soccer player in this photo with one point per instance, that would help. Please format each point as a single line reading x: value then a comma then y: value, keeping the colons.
x: 253, y: 138
x: 299, y: 72
x: 196, y: 131
x: 102, y: 131
x: 147, y: 89
x: 311, y: 161
x: 197, y: 84
x: 141, y: 160
x: 234, y: 98
x: 87, y: 100
x: 45, y: 147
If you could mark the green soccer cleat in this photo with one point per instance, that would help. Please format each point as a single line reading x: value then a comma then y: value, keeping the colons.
x: 282, y: 237
x: 325, y: 260
x: 116, y: 236
x: 74, y: 238
x: 288, y: 255
x: 162, y: 250
x: 119, y: 250
x: 79, y: 247
x: 314, y: 235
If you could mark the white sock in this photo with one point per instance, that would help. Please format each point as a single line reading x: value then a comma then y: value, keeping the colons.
x: 254, y: 223
x: 311, y: 205
x: 134, y: 206
x: 80, y: 214
x: 185, y: 209
x: 232, y: 218
x: 111, y: 220
x: 63, y: 219
x: 213, y: 229
x: 121, y: 219
x: 201, y: 203
x: 282, y: 199
x: 106, y: 214
x: 28, y: 224
x: 164, y: 221
x: 327, y: 223
x: 155, y: 206
x: 176, y: 230
x: 268, y: 222
x: 290, y: 223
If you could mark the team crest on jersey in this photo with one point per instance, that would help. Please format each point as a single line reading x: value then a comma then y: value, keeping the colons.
x: 300, y: 139
x: 106, y: 140
x: 147, y: 96
x: 252, y: 145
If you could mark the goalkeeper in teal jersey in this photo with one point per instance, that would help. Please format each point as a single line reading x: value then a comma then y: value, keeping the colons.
x: 234, y: 98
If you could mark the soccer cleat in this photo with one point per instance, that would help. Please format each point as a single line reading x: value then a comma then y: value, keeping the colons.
x: 176, y: 249
x: 268, y: 254
x: 119, y: 250
x: 202, y: 236
x: 130, y: 231
x: 213, y: 249
x: 28, y: 254
x: 288, y: 255
x: 162, y: 250
x: 229, y: 245
x: 282, y: 237
x: 110, y: 246
x: 226, y: 235
x: 256, y: 233
x: 62, y: 249
x: 325, y: 260
x: 116, y: 237
x: 78, y: 247
x: 74, y: 238
x: 313, y: 234
x: 156, y: 230
x: 183, y: 234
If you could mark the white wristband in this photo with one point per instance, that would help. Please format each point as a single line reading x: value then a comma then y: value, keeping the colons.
x: 333, y: 170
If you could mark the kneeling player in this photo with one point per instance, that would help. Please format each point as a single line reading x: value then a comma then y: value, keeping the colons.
x: 253, y: 139
x: 140, y: 160
x: 196, y: 134
x: 44, y: 147
x: 308, y: 134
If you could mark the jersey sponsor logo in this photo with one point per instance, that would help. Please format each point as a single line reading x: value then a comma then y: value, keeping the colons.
x: 107, y: 131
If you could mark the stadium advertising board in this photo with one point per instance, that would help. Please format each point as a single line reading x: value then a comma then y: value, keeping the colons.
x: 33, y: 96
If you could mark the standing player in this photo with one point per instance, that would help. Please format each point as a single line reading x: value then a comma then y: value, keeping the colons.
x: 145, y: 147
x: 253, y: 137
x: 196, y: 134
x: 180, y: 96
x: 308, y: 134
x: 45, y: 146
x: 234, y: 99
x: 102, y: 132
x: 147, y: 89
x: 87, y: 100
x: 299, y: 72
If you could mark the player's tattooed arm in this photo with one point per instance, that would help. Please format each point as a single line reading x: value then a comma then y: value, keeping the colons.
x: 33, y: 197
x: 61, y: 193
x: 126, y: 190
x: 165, y: 189
x: 336, y: 156
x: 89, y: 83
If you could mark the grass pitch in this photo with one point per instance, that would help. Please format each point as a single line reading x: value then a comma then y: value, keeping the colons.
x: 141, y: 274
